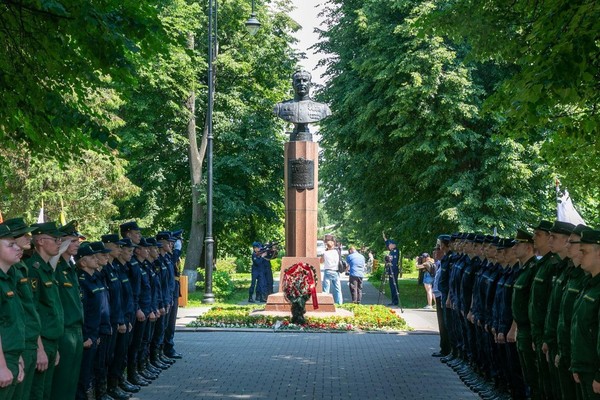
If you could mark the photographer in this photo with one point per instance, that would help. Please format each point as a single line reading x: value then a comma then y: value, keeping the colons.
x: 259, y: 274
x: 426, y: 264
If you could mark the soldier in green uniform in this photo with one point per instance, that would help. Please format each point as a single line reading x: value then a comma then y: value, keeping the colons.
x: 559, y: 238
x: 576, y: 282
x: 12, y: 328
x: 538, y: 302
x: 524, y: 252
x: 46, y: 241
x: 585, y: 358
x: 70, y: 345
x: 31, y: 356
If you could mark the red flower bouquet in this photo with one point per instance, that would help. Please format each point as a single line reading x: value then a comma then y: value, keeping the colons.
x: 299, y: 285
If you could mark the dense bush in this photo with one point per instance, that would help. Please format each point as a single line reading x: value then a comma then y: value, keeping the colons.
x: 223, y: 285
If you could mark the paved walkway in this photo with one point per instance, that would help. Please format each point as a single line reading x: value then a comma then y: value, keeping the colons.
x: 422, y: 321
x: 292, y: 365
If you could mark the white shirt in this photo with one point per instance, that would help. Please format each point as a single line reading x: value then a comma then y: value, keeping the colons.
x: 331, y: 258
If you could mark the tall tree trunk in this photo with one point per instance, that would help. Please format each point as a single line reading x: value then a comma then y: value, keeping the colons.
x: 195, y: 246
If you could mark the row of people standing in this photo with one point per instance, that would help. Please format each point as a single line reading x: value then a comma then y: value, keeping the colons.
x: 77, y: 314
x: 520, y: 316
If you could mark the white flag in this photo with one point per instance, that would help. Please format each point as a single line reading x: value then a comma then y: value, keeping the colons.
x: 565, y: 210
x: 41, y: 214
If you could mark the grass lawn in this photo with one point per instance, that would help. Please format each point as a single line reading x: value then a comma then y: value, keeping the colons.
x: 412, y: 295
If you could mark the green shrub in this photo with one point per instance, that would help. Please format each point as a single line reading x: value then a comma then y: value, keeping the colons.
x: 408, y: 265
x: 227, y: 264
x: 243, y: 264
x: 223, y: 285
x: 276, y: 264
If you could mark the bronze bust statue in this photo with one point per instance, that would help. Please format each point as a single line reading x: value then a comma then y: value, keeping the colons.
x: 301, y: 110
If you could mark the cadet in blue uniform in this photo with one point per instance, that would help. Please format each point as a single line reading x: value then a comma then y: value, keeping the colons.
x: 166, y: 250
x: 258, y: 279
x: 169, y: 344
x: 95, y: 309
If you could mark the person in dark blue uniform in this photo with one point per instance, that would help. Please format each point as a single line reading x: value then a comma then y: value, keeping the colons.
x: 168, y: 286
x: 146, y: 369
x: 258, y: 280
x: 394, y: 273
x: 116, y: 369
x: 169, y: 343
x: 164, y: 300
x: 95, y: 309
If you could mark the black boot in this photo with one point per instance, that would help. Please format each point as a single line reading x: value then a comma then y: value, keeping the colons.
x: 113, y: 390
x: 127, y: 386
x: 135, y: 378
x: 155, y: 361
x: 101, y: 391
x: 163, y: 358
x: 250, y: 299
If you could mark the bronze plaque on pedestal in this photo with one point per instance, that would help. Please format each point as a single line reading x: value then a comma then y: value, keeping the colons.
x: 301, y: 174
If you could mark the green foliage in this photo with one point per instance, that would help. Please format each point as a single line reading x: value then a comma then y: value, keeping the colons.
x: 243, y: 264
x: 88, y: 185
x: 366, y: 318
x: 223, y: 286
x: 418, y: 157
x: 409, y: 266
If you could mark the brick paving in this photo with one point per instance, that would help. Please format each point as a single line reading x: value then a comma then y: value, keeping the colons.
x: 293, y: 365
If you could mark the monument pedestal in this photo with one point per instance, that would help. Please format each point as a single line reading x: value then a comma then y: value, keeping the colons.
x: 278, y: 302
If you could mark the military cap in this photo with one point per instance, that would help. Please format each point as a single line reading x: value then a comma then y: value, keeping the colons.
x: 71, y: 229
x: 129, y: 226
x: 523, y: 236
x: 152, y: 241
x: 18, y: 227
x: 83, y: 251
x: 5, y: 231
x: 126, y: 242
x: 444, y: 237
x: 488, y: 239
x: 479, y: 239
x: 390, y: 241
x: 177, y: 234
x: 112, y: 238
x: 506, y: 243
x: 455, y: 236
x: 543, y: 225
x: 581, y: 228
x: 144, y: 243
x: 165, y: 235
x: 563, y: 228
x: 589, y: 237
x: 495, y: 240
x: 98, y: 247
x: 47, y: 228
x: 259, y: 244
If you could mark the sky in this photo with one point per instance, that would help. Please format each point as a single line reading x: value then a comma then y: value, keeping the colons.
x: 306, y: 15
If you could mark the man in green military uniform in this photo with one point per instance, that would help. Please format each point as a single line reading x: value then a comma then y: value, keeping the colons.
x: 575, y: 284
x: 559, y: 237
x: 31, y: 356
x: 538, y: 302
x: 585, y: 357
x: 70, y: 345
x: 12, y: 328
x: 46, y: 241
x: 520, y: 304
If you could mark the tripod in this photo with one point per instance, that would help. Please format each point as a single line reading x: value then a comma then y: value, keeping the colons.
x: 389, y: 274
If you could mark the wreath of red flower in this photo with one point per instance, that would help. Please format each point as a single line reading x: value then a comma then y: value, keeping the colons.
x: 300, y: 284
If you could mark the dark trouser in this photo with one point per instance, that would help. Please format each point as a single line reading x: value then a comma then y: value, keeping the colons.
x: 85, y: 374
x: 586, y: 379
x: 516, y: 382
x: 543, y: 369
x: 258, y: 282
x: 23, y: 390
x: 146, y: 338
x: 471, y: 341
x: 70, y: 349
x: 439, y: 310
x: 457, y: 329
x: 12, y: 362
x: 355, y: 285
x: 568, y: 389
x: 170, y: 328
x: 159, y: 333
x: 117, y: 366
x: 42, y: 381
x: 528, y: 361
x: 393, y: 277
x: 136, y: 343
x: 100, y: 361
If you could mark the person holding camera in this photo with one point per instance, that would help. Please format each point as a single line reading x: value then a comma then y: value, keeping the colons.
x: 259, y: 274
x: 427, y: 264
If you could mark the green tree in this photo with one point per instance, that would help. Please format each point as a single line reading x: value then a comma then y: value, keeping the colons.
x: 407, y: 150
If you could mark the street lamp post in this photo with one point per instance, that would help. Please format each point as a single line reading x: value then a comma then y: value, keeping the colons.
x: 252, y: 26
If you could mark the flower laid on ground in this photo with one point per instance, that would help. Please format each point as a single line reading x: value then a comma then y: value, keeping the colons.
x: 299, y: 285
x: 366, y: 318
